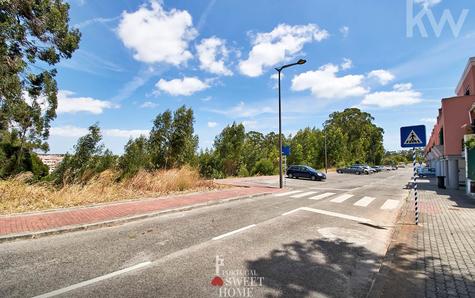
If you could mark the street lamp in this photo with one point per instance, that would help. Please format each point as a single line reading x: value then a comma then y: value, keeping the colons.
x: 326, y: 156
x: 279, y: 70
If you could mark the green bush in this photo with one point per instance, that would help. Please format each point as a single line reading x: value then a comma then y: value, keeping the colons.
x: 263, y: 167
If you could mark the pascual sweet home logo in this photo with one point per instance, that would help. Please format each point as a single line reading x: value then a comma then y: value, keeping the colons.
x: 235, y: 283
x: 425, y: 16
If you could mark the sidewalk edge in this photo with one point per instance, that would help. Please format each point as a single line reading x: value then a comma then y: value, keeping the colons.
x: 122, y: 220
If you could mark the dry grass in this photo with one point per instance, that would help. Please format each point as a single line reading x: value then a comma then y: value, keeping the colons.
x: 16, y: 195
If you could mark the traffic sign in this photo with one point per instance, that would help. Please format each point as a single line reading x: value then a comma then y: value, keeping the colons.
x: 413, y: 136
x: 286, y: 150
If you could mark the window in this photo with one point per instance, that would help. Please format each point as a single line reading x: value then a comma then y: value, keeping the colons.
x: 441, y: 136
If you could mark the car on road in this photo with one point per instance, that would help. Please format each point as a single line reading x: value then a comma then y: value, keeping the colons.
x: 425, y: 172
x: 379, y: 168
x: 354, y: 169
x: 299, y: 171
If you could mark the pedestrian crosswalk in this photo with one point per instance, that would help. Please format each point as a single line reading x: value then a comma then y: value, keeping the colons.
x: 347, y: 198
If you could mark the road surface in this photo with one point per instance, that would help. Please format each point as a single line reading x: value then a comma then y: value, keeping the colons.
x: 319, y: 239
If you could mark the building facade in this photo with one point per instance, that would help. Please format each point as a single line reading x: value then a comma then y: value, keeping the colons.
x: 445, y: 149
x: 51, y: 160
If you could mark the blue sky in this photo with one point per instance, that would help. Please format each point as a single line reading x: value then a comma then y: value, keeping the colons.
x: 139, y: 58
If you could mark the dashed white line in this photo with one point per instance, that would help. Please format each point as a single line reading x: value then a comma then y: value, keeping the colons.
x: 287, y: 193
x: 94, y: 280
x: 390, y: 204
x: 290, y: 212
x: 233, y: 232
x: 342, y: 198
x: 322, y: 196
x: 305, y: 194
x: 364, y: 202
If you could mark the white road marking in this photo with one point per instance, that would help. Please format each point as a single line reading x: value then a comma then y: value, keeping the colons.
x: 308, y: 193
x: 364, y: 202
x: 290, y: 212
x: 233, y: 232
x: 94, y: 280
x: 322, y: 196
x: 342, y: 198
x: 335, y: 214
x: 329, y: 188
x: 390, y: 204
x: 287, y: 193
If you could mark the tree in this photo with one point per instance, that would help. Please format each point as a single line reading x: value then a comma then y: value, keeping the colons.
x: 229, y: 146
x: 135, y: 157
x: 34, y: 36
x: 172, y: 142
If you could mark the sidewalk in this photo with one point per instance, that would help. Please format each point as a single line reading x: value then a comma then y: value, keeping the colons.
x: 70, y: 219
x: 436, y: 258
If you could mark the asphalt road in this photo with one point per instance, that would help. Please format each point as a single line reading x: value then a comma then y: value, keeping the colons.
x: 321, y: 239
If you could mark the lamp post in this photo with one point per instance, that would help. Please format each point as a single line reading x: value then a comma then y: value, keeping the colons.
x: 279, y: 70
x: 326, y: 156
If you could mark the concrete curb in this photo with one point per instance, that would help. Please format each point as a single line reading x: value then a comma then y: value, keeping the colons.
x: 119, y: 221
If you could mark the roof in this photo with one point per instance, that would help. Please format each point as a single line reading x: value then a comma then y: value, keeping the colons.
x: 471, y: 62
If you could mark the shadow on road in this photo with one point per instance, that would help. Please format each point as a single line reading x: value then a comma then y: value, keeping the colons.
x: 332, y: 268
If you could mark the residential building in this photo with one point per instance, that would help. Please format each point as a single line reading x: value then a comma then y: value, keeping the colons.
x: 445, y: 149
x: 51, y: 160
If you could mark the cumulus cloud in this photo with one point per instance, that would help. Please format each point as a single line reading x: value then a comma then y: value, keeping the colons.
x: 186, y: 86
x: 324, y: 83
x: 382, y: 76
x: 212, y: 124
x: 149, y: 105
x: 157, y: 35
x: 283, y: 42
x: 346, y: 64
x: 402, y: 94
x: 242, y: 110
x: 212, y: 54
x: 429, y: 120
x: 345, y: 31
x: 75, y: 132
x: 68, y: 103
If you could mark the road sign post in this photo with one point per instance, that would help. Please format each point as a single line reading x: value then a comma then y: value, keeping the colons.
x: 414, y: 136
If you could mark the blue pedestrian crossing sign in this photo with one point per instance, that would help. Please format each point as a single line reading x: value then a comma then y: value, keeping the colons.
x: 413, y: 136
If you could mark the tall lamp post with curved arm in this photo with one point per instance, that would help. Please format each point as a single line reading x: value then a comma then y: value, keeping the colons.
x: 279, y: 70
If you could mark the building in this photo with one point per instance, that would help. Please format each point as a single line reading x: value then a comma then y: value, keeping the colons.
x: 445, y: 149
x: 51, y: 160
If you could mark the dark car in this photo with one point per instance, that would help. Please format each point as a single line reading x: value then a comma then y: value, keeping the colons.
x: 305, y: 172
x: 355, y: 169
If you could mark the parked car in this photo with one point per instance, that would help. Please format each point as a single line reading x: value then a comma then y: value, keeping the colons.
x: 379, y: 168
x: 354, y: 169
x: 425, y: 172
x: 298, y: 171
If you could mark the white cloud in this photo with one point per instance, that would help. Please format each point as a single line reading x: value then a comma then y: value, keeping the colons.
x: 212, y: 124
x: 213, y: 53
x: 324, y: 83
x: 76, y: 132
x: 279, y: 45
x: 402, y: 94
x: 156, y: 35
x: 347, y: 64
x: 345, y: 31
x: 428, y: 3
x: 429, y: 120
x: 149, y: 105
x: 186, y: 86
x: 241, y: 110
x: 67, y: 103
x: 382, y: 76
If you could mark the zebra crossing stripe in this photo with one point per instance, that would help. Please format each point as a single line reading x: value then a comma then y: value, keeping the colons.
x: 287, y: 193
x: 342, y: 198
x: 322, y: 196
x: 390, y: 204
x: 364, y: 202
x: 305, y: 194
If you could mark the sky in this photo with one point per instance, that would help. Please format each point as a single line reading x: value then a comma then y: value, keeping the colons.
x: 393, y: 59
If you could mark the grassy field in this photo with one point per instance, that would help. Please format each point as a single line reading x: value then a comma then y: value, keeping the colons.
x: 16, y: 195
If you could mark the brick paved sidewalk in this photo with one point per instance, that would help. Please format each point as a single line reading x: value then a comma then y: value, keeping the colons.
x: 436, y: 258
x: 71, y: 217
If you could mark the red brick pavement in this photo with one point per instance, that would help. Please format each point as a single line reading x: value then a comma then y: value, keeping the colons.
x: 17, y: 224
